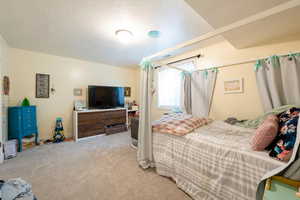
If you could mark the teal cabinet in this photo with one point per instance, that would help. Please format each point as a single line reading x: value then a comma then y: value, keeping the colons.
x: 281, y: 189
x: 22, y: 122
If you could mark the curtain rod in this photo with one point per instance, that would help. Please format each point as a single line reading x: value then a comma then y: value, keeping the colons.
x: 237, y: 63
x: 170, y: 63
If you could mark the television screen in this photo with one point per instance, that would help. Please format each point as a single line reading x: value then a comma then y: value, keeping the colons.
x: 104, y: 97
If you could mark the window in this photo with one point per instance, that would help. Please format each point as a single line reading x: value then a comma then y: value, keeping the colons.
x: 170, y: 85
x: 169, y: 88
x: 187, y: 65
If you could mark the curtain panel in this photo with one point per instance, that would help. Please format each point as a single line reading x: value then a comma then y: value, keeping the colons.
x: 187, y: 92
x: 278, y: 81
x: 202, y: 88
x: 144, y: 153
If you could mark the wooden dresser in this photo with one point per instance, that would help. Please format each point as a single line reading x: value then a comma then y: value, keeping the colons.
x: 89, y: 123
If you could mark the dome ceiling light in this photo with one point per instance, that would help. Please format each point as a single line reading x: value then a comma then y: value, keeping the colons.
x: 124, y: 36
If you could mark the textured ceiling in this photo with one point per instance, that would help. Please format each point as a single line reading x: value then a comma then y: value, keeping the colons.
x: 220, y: 13
x: 277, y: 28
x: 85, y: 29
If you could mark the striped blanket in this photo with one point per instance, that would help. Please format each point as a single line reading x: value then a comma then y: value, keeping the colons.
x: 215, y: 162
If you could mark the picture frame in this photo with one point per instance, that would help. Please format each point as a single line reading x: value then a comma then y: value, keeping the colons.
x: 77, y: 92
x: 42, y: 85
x: 127, y: 91
x: 232, y: 86
x: 6, y: 85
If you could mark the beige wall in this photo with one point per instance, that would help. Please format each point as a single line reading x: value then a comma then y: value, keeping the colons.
x: 65, y: 74
x: 247, y: 104
x: 3, y: 99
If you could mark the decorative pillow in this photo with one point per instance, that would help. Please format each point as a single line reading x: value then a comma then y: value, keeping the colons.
x: 265, y: 133
x: 288, y: 122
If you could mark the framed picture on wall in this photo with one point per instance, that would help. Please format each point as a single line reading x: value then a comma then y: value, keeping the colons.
x: 234, y: 86
x: 42, y: 82
x: 127, y: 91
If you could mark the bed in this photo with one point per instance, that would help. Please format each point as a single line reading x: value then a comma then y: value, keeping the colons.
x: 213, y: 162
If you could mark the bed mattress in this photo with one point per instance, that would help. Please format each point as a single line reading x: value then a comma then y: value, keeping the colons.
x: 213, y: 162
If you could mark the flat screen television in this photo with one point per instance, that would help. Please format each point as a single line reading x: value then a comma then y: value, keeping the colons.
x: 105, y: 97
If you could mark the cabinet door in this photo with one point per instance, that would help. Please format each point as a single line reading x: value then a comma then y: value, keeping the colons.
x: 280, y: 191
x: 14, y: 122
x: 29, y: 118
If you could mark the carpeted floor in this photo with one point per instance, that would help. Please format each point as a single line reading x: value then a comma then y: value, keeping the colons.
x: 101, y: 168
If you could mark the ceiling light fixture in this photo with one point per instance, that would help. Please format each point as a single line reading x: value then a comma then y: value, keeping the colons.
x: 154, y: 34
x: 124, y: 36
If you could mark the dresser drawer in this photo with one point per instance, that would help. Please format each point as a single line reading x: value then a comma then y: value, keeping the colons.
x: 117, y: 120
x: 29, y: 118
x: 90, y: 130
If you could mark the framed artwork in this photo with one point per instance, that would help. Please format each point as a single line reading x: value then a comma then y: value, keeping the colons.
x: 6, y: 85
x: 42, y: 82
x: 127, y: 91
x: 234, y: 86
x: 77, y: 92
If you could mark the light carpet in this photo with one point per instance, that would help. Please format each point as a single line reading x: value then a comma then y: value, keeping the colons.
x: 100, y: 168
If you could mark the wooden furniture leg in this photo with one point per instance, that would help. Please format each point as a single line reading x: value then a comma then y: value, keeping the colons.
x: 37, y: 138
x: 20, y: 145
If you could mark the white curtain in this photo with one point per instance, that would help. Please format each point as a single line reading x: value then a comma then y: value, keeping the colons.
x: 186, y: 92
x: 278, y: 81
x: 144, y: 153
x: 202, y: 88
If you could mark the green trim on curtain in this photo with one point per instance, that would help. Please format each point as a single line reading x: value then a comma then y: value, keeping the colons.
x: 274, y: 60
x: 146, y: 64
x: 213, y: 69
x: 183, y: 73
x: 205, y: 73
x: 258, y: 64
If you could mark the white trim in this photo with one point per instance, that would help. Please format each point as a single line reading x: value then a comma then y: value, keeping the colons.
x: 259, y: 16
x: 90, y: 137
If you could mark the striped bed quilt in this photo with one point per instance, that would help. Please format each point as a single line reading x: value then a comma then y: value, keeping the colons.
x: 214, y: 162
